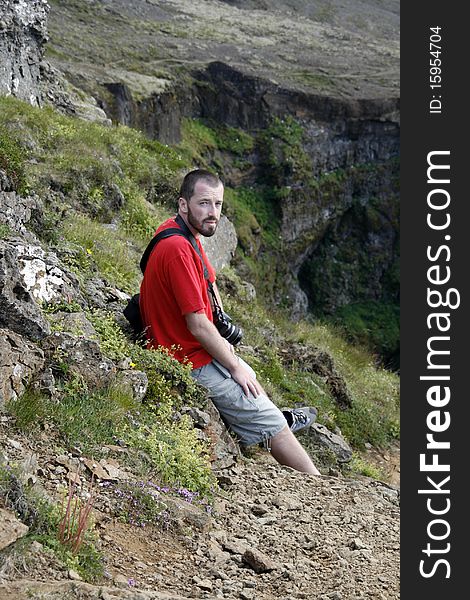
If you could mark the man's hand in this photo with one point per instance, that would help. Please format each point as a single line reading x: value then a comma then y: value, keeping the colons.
x: 218, y: 347
x: 246, y: 380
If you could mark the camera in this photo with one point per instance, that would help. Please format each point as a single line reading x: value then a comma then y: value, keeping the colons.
x: 226, y: 328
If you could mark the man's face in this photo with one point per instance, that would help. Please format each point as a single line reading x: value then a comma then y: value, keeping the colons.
x: 204, y: 208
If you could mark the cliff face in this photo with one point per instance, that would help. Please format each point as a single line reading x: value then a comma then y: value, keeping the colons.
x: 22, y: 37
x: 331, y: 67
x: 340, y: 192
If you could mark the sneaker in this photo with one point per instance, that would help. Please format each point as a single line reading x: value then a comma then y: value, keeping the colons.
x: 300, y: 418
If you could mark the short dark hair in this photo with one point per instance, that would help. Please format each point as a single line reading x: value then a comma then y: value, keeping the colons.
x: 190, y: 180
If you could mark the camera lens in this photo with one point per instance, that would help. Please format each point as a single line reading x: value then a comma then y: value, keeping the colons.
x: 227, y: 330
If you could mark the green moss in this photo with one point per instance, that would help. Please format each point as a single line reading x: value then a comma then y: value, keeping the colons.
x: 234, y: 140
x: 5, y: 231
x: 198, y: 141
x: 284, y: 157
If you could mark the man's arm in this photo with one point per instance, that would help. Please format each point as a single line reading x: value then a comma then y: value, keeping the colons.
x: 218, y: 347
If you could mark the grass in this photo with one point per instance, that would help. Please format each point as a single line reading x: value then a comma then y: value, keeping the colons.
x: 81, y: 158
x: 44, y: 518
x: 101, y: 250
x: 85, y: 418
x: 12, y: 159
x: 89, y: 418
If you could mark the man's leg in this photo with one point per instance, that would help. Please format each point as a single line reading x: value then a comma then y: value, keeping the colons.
x: 287, y: 450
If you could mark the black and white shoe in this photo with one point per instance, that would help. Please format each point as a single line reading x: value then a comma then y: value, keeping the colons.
x: 300, y: 418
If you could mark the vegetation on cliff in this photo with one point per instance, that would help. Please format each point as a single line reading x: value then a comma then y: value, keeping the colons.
x: 103, y: 192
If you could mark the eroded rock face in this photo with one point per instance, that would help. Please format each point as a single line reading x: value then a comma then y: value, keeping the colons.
x: 15, y: 210
x: 18, y: 309
x: 28, y: 277
x: 22, y: 37
x: 20, y: 360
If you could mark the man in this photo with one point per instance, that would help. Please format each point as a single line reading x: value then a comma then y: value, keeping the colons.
x: 177, y: 311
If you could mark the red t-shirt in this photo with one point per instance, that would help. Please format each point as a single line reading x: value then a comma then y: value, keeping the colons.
x: 172, y: 287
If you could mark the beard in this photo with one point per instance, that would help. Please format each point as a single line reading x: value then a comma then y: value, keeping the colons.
x: 207, y: 227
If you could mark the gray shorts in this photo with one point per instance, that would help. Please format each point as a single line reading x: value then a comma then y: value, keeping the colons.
x: 253, y: 420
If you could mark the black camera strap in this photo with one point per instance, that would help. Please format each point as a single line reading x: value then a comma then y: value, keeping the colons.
x: 192, y: 241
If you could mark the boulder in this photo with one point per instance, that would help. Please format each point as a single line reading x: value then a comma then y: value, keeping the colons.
x: 324, y: 438
x: 221, y: 247
x: 11, y: 529
x: 81, y: 356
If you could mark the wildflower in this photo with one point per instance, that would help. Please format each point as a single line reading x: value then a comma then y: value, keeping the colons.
x: 89, y: 251
x: 131, y: 582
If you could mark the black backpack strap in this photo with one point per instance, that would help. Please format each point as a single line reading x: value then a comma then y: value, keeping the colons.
x: 184, y: 231
x: 154, y: 241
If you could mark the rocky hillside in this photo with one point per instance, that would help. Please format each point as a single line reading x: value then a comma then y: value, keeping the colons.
x: 296, y: 106
x: 117, y: 477
x: 273, y: 533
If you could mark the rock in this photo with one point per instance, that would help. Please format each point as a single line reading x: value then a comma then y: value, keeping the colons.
x: 225, y: 450
x: 135, y: 382
x: 205, y: 584
x: 323, y: 437
x: 258, y: 561
x: 199, y: 417
x: 315, y: 360
x: 11, y: 529
x: 20, y: 361
x: 259, y: 510
x: 235, y: 546
x: 121, y: 580
x: 75, y: 323
x: 45, y: 383
x: 18, y: 308
x: 73, y: 575
x: 96, y: 469
x: 114, y: 473
x: 189, y: 514
x: 16, y: 211
x: 221, y: 247
x: 82, y: 357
